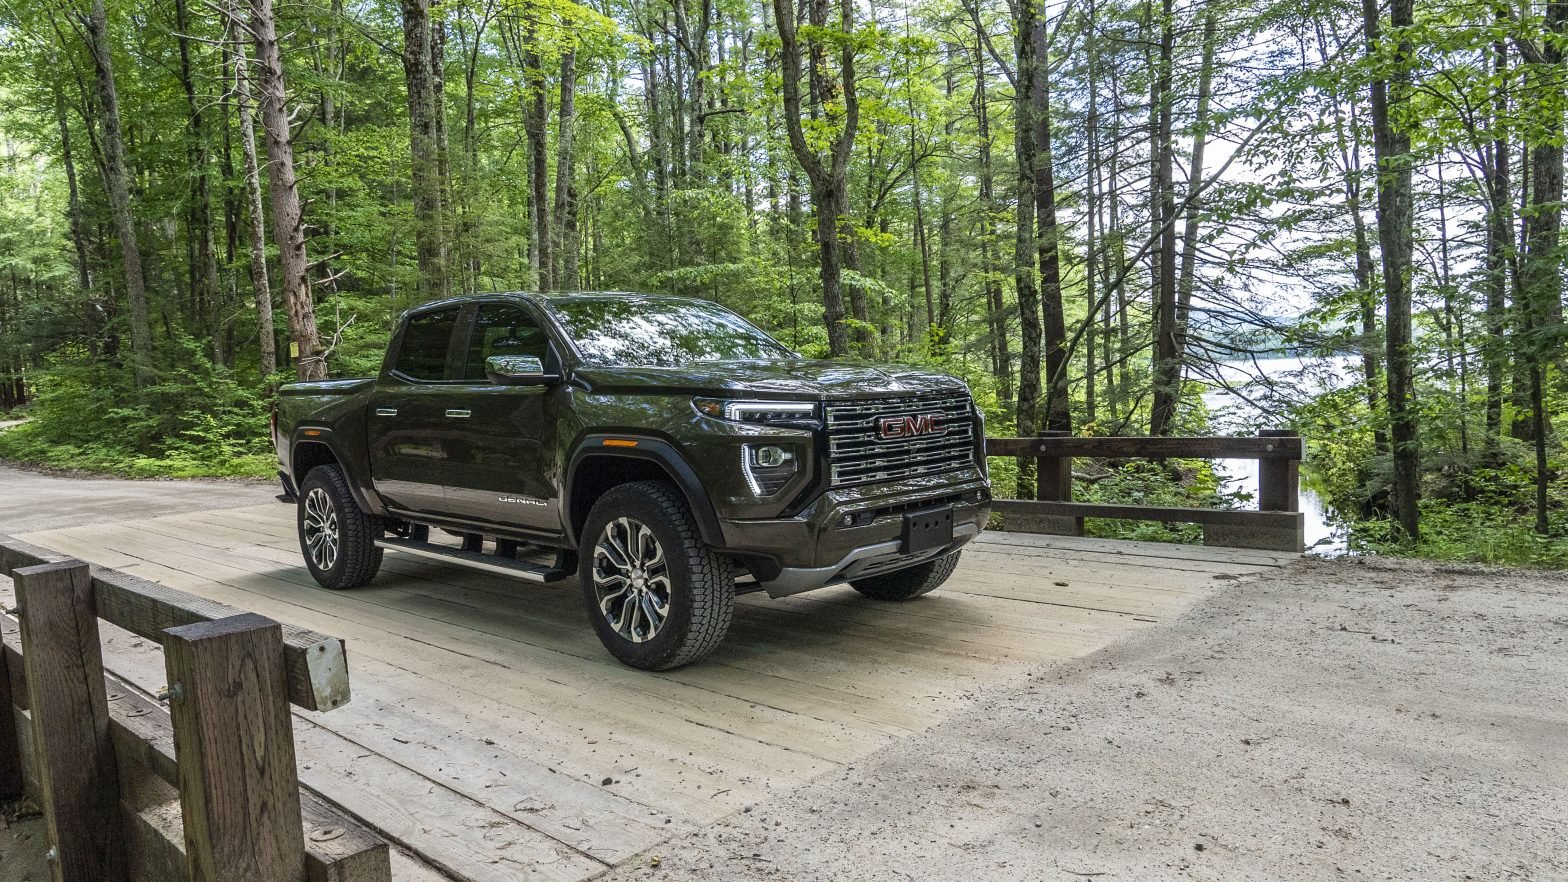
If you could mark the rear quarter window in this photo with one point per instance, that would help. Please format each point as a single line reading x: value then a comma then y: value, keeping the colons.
x: 426, y: 340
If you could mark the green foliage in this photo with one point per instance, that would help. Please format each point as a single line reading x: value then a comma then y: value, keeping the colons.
x: 196, y: 421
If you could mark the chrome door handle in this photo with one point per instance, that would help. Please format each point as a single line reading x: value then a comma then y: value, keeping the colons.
x: 386, y: 411
x: 459, y: 414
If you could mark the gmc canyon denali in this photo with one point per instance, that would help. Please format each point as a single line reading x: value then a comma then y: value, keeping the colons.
x: 663, y: 450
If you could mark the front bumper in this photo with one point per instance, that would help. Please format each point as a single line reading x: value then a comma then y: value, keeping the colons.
x: 849, y: 534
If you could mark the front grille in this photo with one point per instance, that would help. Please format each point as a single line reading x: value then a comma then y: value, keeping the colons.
x: 857, y: 454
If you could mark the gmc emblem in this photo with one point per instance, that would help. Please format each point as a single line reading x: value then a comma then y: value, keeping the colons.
x: 894, y: 427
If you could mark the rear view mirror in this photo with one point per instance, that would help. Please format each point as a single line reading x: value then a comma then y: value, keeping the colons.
x: 517, y: 370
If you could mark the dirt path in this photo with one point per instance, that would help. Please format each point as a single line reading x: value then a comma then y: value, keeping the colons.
x: 32, y: 500
x: 1352, y: 720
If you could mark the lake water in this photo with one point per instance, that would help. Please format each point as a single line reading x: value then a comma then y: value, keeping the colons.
x: 1240, y: 402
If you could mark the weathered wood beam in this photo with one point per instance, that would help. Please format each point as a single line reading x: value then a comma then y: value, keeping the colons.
x: 337, y: 848
x: 1272, y: 530
x: 234, y: 736
x: 78, y: 779
x: 316, y: 666
x: 1139, y: 447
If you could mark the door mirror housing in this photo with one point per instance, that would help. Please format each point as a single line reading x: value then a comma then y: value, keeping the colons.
x: 517, y: 370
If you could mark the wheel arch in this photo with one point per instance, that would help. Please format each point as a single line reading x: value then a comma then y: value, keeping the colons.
x: 596, y: 468
x: 312, y: 448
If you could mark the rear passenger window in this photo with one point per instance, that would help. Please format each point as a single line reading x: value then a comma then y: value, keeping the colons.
x: 501, y: 329
x: 422, y: 356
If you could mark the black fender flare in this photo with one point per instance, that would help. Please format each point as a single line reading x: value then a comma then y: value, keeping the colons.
x: 653, y: 449
x: 324, y: 436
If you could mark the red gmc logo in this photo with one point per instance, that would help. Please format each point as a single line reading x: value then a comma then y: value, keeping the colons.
x: 890, y: 428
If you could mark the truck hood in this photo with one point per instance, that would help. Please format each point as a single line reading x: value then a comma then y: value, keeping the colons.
x: 797, y: 378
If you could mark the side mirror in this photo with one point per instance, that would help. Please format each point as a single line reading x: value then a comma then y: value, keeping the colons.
x: 517, y: 370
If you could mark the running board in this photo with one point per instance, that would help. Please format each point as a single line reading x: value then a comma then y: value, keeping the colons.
x: 474, y: 560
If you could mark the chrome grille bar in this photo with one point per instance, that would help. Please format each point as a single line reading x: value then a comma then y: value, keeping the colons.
x: 858, y: 455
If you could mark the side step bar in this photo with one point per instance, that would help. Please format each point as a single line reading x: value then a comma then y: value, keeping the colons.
x: 475, y: 560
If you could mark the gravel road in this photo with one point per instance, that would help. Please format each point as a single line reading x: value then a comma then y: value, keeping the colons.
x: 1348, y: 720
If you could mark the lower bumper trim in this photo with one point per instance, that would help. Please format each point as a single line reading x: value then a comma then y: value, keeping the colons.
x: 797, y: 580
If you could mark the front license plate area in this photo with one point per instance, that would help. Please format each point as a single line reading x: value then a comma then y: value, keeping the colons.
x: 927, y: 529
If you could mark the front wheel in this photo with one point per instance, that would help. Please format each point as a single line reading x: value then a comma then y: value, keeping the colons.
x: 907, y: 584
x: 336, y: 536
x: 658, y: 596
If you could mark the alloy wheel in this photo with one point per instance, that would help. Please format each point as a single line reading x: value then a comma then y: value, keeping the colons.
x: 631, y: 579
x: 321, y: 529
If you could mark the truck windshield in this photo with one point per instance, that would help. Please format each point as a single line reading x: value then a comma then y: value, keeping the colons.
x: 660, y: 332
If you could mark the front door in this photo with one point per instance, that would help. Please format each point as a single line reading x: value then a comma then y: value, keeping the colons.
x: 408, y: 429
x: 503, y: 452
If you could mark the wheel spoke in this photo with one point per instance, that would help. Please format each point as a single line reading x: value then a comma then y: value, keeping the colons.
x: 631, y: 580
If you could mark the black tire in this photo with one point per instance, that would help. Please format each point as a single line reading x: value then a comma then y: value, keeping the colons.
x: 696, y: 585
x: 909, y: 583
x: 356, y: 558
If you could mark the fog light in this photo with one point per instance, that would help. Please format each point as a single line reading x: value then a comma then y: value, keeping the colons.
x: 768, y: 468
x: 772, y: 457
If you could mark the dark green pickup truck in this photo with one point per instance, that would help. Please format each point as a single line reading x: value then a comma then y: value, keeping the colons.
x: 663, y: 450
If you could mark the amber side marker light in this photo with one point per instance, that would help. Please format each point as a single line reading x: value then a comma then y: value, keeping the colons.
x: 619, y: 442
x: 312, y: 432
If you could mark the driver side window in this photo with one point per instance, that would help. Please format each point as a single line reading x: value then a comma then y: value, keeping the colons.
x: 502, y: 329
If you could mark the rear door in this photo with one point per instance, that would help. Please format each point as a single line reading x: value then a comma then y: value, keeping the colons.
x: 503, y: 456
x: 409, y: 429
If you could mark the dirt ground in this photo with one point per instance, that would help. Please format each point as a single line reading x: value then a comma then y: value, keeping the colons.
x: 1351, y: 720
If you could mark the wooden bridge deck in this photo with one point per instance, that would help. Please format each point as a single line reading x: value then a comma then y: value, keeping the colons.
x: 490, y: 737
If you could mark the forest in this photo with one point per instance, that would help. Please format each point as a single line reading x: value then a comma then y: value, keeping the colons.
x: 1094, y: 211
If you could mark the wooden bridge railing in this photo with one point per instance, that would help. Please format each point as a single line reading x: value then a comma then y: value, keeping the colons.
x: 1276, y: 525
x: 205, y: 790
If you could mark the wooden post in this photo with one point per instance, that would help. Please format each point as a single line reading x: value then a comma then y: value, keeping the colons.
x: 234, y: 741
x: 10, y: 748
x: 1279, y: 480
x: 1053, y: 483
x: 78, y: 779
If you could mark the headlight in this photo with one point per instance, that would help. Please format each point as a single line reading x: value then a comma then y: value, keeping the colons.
x: 787, y: 414
x: 769, y: 467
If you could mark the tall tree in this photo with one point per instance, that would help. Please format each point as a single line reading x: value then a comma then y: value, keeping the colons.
x: 1395, y: 233
x: 828, y: 175
x: 261, y: 288
x: 424, y: 118
x: 288, y: 220
x: 117, y: 184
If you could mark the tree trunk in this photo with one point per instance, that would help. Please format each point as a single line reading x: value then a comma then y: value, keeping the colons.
x: 1168, y: 355
x: 829, y: 180
x: 288, y: 222
x: 565, y: 232
x: 1395, y: 238
x: 1058, y: 406
x: 117, y: 185
x: 201, y: 259
x: 424, y: 150
x: 1189, y: 237
x: 536, y: 117
x: 261, y: 288
x: 1024, y: 249
x: 996, y: 302
x: 1499, y: 224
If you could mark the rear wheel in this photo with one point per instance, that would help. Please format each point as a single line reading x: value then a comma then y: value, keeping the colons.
x: 336, y: 536
x: 910, y: 583
x: 658, y: 596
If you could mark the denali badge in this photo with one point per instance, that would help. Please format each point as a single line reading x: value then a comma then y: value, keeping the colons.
x: 893, y: 427
x: 522, y: 500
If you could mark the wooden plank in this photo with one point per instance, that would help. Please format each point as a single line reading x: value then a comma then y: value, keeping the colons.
x: 239, y: 792
x: 1132, y: 553
x: 1279, y: 480
x: 11, y: 782
x: 337, y: 848
x: 76, y: 771
x: 1142, y: 447
x: 316, y: 665
x: 1219, y: 516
